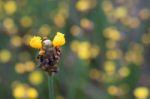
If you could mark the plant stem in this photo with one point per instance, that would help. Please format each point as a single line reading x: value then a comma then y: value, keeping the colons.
x: 51, y: 86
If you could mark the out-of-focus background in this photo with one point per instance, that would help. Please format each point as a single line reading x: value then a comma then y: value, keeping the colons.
x: 106, y: 55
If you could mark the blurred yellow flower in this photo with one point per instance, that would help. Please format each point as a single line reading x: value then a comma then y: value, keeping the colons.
x: 5, y: 56
x: 20, y: 68
x: 134, y: 22
x: 121, y: 12
x: 115, y: 90
x: 111, y: 44
x: 134, y: 57
x: 74, y: 45
x: 83, y: 50
x: 8, y: 23
x: 25, y: 67
x: 30, y: 66
x: 75, y: 30
x: 110, y: 67
x: 10, y: 7
x: 26, y: 21
x: 86, y: 24
x: 141, y: 92
x: 145, y: 39
x: 95, y: 51
x: 112, y: 33
x: 44, y: 30
x: 107, y: 6
x: 22, y: 91
x: 32, y: 93
x: 144, y: 13
x: 124, y: 71
x: 58, y: 40
x: 59, y: 20
x: 113, y: 54
x: 36, y: 42
x: 19, y: 91
x: 83, y: 5
x: 36, y: 77
x: 16, y: 41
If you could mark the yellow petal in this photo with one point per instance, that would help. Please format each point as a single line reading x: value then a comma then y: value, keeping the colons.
x: 36, y: 42
x: 59, y: 40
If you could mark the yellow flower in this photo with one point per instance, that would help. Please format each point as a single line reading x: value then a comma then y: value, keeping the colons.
x: 5, y: 55
x: 26, y: 21
x: 36, y: 42
x: 32, y: 93
x: 19, y: 91
x: 22, y: 91
x: 58, y: 40
x: 10, y: 7
x: 141, y: 92
x: 36, y: 77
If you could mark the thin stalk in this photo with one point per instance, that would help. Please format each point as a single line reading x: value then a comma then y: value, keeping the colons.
x: 51, y: 86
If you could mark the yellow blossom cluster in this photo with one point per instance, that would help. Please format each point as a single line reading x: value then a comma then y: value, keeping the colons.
x: 123, y: 46
x: 114, y: 13
x: 85, y: 50
x: 21, y: 91
x: 135, y: 54
x: 112, y: 33
x: 27, y: 66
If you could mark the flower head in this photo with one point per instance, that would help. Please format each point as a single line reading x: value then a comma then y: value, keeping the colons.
x: 36, y: 42
x: 141, y: 92
x: 58, y: 40
x: 10, y: 7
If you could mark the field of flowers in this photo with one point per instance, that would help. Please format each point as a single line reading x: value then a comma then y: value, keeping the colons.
x: 106, y: 54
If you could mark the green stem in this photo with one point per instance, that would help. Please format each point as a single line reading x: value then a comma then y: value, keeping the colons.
x: 51, y: 86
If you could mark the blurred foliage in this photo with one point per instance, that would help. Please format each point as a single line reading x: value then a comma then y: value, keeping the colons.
x: 103, y: 56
